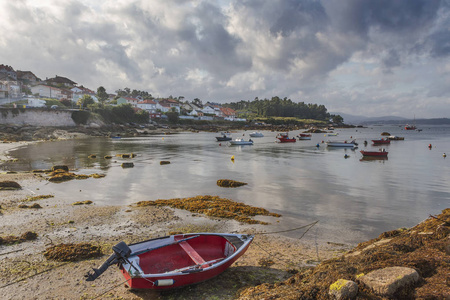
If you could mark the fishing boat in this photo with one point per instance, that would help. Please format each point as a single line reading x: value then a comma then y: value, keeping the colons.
x: 304, y: 136
x: 225, y: 136
x: 176, y: 260
x: 344, y: 144
x: 381, y: 141
x: 410, y: 127
x: 256, y: 134
x: 241, y: 142
x: 284, y: 138
x: 396, y: 138
x: 381, y: 153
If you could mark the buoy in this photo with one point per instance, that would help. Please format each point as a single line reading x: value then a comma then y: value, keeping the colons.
x: 429, y: 146
x: 232, y: 158
x: 318, y: 145
x: 163, y: 138
x: 346, y: 156
x: 444, y: 155
x: 220, y: 144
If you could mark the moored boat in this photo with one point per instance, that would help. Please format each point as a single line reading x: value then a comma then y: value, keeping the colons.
x: 381, y: 153
x: 256, y: 134
x: 284, y: 138
x: 344, y: 144
x: 241, y: 142
x: 410, y: 127
x: 381, y: 141
x: 225, y: 136
x: 176, y: 260
x: 396, y: 138
x: 304, y: 136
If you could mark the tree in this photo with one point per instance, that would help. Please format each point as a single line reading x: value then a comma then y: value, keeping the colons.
x: 102, y: 95
x: 197, y: 102
x: 337, y: 119
x: 172, y: 117
x: 84, y: 101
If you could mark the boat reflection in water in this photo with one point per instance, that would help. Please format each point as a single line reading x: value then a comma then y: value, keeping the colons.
x: 373, y: 158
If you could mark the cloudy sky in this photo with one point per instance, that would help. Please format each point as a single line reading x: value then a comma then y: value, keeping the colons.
x: 361, y: 57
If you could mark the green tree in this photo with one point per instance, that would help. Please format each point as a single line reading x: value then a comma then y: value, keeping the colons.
x: 172, y: 117
x: 84, y: 101
x: 102, y: 95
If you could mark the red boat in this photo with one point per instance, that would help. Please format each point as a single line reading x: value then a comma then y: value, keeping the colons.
x: 304, y: 136
x: 176, y: 260
x: 410, y: 127
x: 381, y: 153
x: 381, y: 141
x: 284, y: 138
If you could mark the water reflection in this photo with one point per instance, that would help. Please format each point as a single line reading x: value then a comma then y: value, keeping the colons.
x: 355, y: 198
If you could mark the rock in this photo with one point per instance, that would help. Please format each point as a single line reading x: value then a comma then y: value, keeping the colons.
x: 388, y: 281
x: 343, y: 289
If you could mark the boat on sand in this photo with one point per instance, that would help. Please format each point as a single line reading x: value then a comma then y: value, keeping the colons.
x: 175, y: 260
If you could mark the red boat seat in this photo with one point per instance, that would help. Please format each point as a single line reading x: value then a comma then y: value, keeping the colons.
x: 193, y: 254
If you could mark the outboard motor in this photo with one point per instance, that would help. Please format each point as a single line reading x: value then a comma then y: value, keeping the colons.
x: 121, y: 253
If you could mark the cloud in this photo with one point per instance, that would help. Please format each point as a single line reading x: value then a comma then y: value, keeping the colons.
x: 326, y: 52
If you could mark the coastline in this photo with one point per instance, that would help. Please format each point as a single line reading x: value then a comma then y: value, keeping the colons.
x: 25, y: 269
x: 275, y: 266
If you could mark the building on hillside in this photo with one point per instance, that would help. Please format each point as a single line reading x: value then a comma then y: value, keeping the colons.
x: 196, y: 113
x: 148, y: 105
x: 27, y: 77
x: 228, y: 113
x: 47, y: 91
x: 171, y: 104
x: 129, y: 100
x: 9, y: 71
x: 80, y: 91
x: 57, y: 80
x: 9, y: 87
x: 163, y: 107
x: 209, y: 110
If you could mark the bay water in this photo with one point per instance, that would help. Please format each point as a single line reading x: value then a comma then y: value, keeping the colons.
x: 353, y: 199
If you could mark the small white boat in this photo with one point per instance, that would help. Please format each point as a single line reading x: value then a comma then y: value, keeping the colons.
x: 346, y: 144
x: 256, y: 134
x: 241, y: 142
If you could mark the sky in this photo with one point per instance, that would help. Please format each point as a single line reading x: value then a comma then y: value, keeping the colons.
x: 361, y: 57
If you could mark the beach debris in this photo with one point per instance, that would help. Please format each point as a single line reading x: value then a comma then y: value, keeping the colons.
x: 96, y: 175
x: 35, y: 205
x: 132, y: 155
x: 72, y: 252
x: 230, y: 183
x: 39, y: 197
x: 164, y: 162
x: 87, y: 202
x: 214, y: 206
x: 107, y: 156
x: 92, y: 156
x: 421, y: 248
x: 11, y: 239
x: 127, y: 165
x: 9, y: 185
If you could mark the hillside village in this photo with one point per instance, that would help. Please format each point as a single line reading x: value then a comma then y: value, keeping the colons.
x: 18, y: 86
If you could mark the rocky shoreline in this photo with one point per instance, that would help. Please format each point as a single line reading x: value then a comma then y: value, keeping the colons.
x: 274, y: 267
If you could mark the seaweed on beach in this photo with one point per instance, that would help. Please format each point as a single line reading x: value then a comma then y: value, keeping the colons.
x: 39, y: 197
x: 35, y: 205
x: 72, y: 252
x: 214, y: 206
x: 9, y: 185
x: 12, y: 239
x: 82, y: 202
x: 424, y: 248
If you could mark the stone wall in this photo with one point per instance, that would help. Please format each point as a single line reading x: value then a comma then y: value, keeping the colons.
x: 36, y: 117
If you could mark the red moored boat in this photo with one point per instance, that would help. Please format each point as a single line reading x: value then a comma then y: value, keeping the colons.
x: 381, y: 141
x: 381, y: 153
x: 176, y: 260
x: 284, y: 138
x: 304, y: 136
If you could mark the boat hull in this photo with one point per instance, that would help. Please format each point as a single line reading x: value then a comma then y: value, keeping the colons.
x: 381, y: 142
x: 341, y: 145
x: 223, y: 139
x: 256, y: 134
x: 286, y: 140
x: 176, y: 256
x: 374, y: 153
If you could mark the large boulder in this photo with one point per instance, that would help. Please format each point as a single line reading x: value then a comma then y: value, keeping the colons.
x: 389, y: 281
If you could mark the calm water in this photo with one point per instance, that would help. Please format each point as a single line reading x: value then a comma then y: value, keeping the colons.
x: 353, y: 199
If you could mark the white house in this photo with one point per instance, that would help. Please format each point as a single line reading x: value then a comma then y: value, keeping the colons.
x: 209, y: 110
x: 148, y: 105
x: 47, y: 91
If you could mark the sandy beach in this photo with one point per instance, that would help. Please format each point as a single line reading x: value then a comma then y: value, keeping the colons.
x: 27, y: 274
